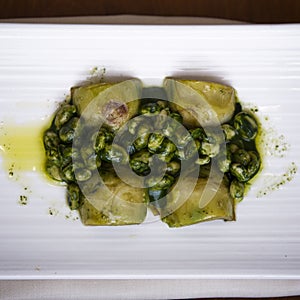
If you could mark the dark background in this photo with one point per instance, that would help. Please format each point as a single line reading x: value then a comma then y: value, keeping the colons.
x: 253, y: 11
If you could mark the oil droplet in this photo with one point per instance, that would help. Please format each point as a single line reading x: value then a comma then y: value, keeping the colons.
x: 21, y: 147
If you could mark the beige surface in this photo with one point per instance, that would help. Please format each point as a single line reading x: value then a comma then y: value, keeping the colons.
x: 143, y: 289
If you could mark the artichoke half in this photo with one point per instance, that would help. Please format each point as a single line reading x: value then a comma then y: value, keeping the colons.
x: 106, y: 199
x: 201, y: 103
x: 110, y: 103
x: 221, y: 206
x: 110, y: 201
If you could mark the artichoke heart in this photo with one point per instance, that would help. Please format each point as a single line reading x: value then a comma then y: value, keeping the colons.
x: 221, y: 206
x: 111, y: 202
x: 201, y: 103
x: 110, y: 103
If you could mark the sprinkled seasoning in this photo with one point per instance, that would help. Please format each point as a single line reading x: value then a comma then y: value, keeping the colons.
x: 94, y: 71
x: 23, y: 200
x: 53, y: 211
x: 96, y: 75
x: 269, y: 141
x: 254, y: 109
x: 70, y: 216
x: 275, y: 183
x: 275, y: 144
x: 11, y: 170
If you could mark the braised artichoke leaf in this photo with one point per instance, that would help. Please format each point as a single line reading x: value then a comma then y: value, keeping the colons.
x: 111, y: 202
x: 220, y: 207
x: 209, y: 102
x: 110, y: 103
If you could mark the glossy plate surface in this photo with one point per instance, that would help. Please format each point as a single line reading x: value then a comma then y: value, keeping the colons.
x: 42, y: 239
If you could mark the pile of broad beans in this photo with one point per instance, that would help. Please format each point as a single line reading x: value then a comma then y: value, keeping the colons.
x: 74, y: 159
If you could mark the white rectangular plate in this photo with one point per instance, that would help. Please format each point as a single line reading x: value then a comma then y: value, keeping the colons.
x: 38, y: 65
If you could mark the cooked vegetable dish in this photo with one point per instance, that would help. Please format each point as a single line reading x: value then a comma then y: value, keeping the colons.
x: 185, y: 150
